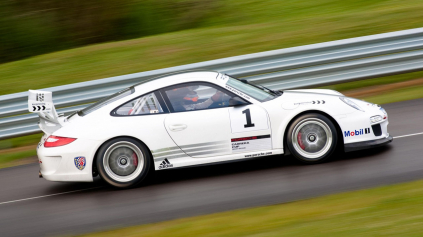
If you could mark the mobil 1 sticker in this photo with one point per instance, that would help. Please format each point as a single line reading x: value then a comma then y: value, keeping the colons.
x: 244, y: 144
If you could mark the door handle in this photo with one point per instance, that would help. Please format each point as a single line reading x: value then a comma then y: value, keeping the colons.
x: 177, y: 127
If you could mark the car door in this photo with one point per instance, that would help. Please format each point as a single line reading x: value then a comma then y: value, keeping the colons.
x: 199, y: 123
x: 250, y: 129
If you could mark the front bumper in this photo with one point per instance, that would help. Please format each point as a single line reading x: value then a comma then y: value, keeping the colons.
x: 367, y: 144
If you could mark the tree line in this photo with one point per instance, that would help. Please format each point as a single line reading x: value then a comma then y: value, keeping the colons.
x: 33, y: 27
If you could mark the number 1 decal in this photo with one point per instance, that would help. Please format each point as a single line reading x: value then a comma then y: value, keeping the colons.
x: 248, y: 116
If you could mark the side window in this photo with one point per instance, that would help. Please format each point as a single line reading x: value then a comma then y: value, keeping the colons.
x: 196, y: 96
x: 147, y: 104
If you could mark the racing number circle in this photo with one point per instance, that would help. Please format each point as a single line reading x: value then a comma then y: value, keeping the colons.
x: 312, y: 138
x: 123, y: 162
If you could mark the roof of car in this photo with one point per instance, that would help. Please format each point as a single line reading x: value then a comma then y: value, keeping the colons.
x: 181, y: 77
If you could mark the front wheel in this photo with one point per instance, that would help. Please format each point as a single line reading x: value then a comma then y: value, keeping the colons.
x: 123, y: 162
x: 312, y: 138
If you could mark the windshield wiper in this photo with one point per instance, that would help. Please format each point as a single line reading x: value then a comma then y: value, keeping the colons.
x: 278, y: 93
x: 274, y: 92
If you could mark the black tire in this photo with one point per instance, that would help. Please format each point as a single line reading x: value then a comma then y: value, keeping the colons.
x: 312, y: 138
x: 123, y: 162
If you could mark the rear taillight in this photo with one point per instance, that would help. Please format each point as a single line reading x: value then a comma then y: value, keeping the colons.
x: 53, y: 141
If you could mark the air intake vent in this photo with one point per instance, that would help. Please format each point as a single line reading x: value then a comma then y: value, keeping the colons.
x: 377, y: 130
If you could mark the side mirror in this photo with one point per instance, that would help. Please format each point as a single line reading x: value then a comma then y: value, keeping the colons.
x: 236, y: 101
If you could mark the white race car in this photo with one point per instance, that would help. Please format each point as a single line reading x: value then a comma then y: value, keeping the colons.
x: 198, y: 118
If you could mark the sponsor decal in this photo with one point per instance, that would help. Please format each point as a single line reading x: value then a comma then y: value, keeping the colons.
x: 311, y: 102
x: 165, y: 164
x: 154, y: 111
x: 222, y: 76
x: 38, y: 106
x: 251, y: 143
x: 356, y: 132
x: 40, y: 97
x: 80, y: 162
x: 258, y: 154
x: 237, y: 92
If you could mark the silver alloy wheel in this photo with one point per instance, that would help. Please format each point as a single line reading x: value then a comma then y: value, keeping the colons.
x: 312, y: 138
x: 123, y: 161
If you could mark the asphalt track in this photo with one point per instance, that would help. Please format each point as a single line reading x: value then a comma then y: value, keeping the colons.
x: 30, y: 206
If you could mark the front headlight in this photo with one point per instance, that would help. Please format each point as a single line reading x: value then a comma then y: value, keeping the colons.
x: 350, y: 103
x: 375, y: 119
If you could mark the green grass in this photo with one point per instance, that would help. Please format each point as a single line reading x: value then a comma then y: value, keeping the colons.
x: 20, y: 141
x: 14, y: 150
x: 238, y: 27
x: 375, y: 81
x: 13, y: 158
x: 401, y: 94
x: 391, y: 96
x: 394, y: 210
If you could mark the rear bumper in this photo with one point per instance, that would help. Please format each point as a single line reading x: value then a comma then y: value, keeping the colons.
x: 367, y: 144
x: 58, y: 163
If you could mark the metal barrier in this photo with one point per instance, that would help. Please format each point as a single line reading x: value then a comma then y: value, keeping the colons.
x: 297, y: 67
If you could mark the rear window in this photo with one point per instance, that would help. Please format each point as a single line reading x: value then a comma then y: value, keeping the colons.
x: 105, y: 101
x: 147, y: 104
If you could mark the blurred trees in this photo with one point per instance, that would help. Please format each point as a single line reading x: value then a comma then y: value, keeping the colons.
x: 32, y: 27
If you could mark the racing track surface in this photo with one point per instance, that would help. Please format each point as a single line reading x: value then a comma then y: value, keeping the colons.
x: 202, y: 190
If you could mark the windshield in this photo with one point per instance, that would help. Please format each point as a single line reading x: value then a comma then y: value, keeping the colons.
x: 105, y: 101
x: 251, y: 90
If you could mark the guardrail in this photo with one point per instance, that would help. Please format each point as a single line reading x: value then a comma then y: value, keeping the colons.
x: 297, y: 67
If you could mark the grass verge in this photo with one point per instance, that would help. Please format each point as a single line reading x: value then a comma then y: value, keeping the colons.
x: 384, y: 90
x: 400, y: 94
x: 19, y: 150
x: 394, y: 210
x: 14, y: 158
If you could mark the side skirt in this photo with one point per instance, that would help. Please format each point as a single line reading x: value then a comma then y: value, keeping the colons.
x: 187, y: 161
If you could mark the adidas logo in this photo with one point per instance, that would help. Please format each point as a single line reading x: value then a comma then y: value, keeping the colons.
x: 165, y: 164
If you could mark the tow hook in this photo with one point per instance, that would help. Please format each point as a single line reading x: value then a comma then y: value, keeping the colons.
x: 39, y: 174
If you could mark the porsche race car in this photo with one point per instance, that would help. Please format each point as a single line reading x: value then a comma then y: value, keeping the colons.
x: 197, y: 118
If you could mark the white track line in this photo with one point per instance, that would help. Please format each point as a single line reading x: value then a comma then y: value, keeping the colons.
x: 55, y: 194
x: 409, y: 135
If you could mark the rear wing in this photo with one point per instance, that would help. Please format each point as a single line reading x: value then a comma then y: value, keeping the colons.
x: 41, y: 102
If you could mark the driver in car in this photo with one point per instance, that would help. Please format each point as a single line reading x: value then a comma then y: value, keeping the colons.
x: 189, y: 101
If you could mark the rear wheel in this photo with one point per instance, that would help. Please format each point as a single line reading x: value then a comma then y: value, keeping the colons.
x: 312, y: 138
x: 123, y: 162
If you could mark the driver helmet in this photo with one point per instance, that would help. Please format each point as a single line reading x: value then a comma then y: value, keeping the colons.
x: 192, y: 95
x: 186, y: 94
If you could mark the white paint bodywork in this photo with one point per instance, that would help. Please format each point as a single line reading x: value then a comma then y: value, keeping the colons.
x: 206, y: 137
